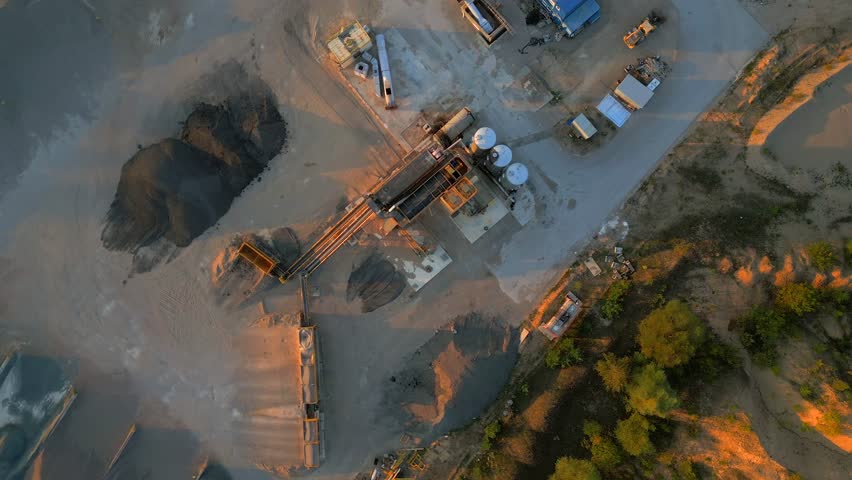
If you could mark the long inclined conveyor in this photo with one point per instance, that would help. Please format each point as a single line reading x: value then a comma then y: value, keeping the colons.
x: 329, y: 242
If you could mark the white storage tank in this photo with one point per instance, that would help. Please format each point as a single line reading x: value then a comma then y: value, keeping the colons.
x: 483, y: 140
x: 514, y: 177
x: 453, y: 129
x: 498, y: 159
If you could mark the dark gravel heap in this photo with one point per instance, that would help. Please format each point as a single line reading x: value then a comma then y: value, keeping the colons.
x: 178, y: 188
x: 376, y: 282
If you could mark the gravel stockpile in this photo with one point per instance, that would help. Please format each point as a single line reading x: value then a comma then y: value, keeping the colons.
x: 454, y: 375
x: 178, y: 188
x: 376, y: 282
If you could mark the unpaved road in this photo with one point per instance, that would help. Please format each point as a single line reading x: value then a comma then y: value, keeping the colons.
x: 85, y: 82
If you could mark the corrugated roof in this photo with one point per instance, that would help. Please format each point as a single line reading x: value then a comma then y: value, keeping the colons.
x: 578, y: 18
x: 634, y: 92
x: 584, y: 126
x: 613, y: 110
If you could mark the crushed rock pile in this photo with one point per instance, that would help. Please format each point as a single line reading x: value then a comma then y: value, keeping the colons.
x: 376, y: 282
x: 178, y: 188
x: 235, y: 281
x: 454, y: 375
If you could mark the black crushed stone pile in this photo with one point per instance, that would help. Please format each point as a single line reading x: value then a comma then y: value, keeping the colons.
x: 376, y: 282
x: 178, y: 188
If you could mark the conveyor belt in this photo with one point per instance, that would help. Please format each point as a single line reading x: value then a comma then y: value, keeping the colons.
x: 329, y: 242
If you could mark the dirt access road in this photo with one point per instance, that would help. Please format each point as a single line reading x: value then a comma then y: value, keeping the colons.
x: 91, y: 80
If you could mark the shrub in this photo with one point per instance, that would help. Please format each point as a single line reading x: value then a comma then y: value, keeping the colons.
x: 671, y: 335
x: 839, y: 385
x: 489, y: 435
x: 614, y: 372
x: 649, y: 392
x: 760, y: 331
x: 806, y: 391
x: 563, y: 354
x: 849, y: 251
x: 634, y: 435
x: 613, y: 302
x: 799, y: 298
x: 713, y: 359
x: 831, y: 423
x: 568, y: 468
x: 685, y: 470
x: 822, y: 255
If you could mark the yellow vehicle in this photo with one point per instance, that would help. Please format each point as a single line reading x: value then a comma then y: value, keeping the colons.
x: 641, y: 31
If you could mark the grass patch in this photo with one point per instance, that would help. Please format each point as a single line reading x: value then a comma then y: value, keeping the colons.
x: 613, y: 301
x: 707, y: 178
x: 746, y: 223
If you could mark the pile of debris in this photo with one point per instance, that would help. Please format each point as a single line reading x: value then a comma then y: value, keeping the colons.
x: 621, y: 267
x: 649, y: 68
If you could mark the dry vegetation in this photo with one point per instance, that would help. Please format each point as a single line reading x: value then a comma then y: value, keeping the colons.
x: 759, y: 386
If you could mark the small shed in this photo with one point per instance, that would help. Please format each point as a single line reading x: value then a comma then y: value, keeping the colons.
x: 613, y: 110
x: 634, y: 92
x: 584, y: 126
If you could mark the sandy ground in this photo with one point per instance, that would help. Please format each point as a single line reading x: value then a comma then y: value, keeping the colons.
x: 112, y: 75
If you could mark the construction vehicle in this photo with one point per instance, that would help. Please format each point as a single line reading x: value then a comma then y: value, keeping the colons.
x: 641, y: 31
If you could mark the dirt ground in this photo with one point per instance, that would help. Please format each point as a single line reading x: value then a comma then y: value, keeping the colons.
x: 157, y: 348
x: 751, y: 229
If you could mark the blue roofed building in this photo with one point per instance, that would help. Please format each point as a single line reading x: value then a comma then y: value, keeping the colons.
x: 571, y: 16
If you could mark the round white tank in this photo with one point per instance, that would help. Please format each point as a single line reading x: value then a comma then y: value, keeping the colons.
x: 515, y: 176
x: 484, y: 139
x: 498, y: 159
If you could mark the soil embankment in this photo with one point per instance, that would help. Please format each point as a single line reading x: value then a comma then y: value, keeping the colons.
x: 455, y: 375
x: 179, y: 187
x: 376, y: 282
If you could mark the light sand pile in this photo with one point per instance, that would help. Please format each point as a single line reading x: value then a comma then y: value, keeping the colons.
x: 235, y: 281
x: 454, y: 376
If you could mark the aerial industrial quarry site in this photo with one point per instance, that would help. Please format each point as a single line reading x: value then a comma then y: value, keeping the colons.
x: 431, y: 239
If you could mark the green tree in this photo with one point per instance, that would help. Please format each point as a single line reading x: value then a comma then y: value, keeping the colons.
x: 605, y: 453
x: 799, y: 298
x: 614, y: 372
x: 563, y: 354
x: 568, y: 468
x: 634, y: 435
x: 613, y: 302
x: 760, y: 331
x: 649, y: 392
x: 671, y: 335
x: 822, y: 255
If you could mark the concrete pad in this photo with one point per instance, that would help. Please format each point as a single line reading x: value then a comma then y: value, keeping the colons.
x: 415, y: 85
x: 526, y: 93
x: 420, y: 270
x: 474, y: 227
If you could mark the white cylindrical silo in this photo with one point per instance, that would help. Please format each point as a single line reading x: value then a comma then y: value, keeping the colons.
x: 515, y: 176
x: 498, y: 159
x: 483, y: 140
